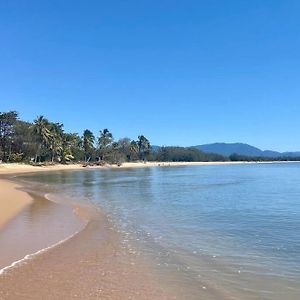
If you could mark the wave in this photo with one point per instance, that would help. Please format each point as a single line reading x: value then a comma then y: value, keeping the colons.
x: 27, y: 257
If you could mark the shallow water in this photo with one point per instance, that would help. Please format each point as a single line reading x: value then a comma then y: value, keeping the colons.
x: 230, y: 228
x: 38, y: 226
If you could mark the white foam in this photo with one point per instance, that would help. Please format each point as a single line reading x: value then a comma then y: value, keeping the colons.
x: 32, y: 255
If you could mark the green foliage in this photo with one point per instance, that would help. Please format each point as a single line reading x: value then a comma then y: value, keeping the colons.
x: 238, y: 157
x: 46, y: 141
x: 23, y: 140
x: 185, y: 154
x: 88, y: 144
x: 124, y: 145
x: 105, y: 144
x: 16, y: 157
x: 144, y: 147
x: 72, y: 146
x: 134, y: 150
x: 7, y: 131
x: 41, y: 141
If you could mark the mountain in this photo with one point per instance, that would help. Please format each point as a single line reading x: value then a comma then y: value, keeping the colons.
x: 155, y: 148
x: 227, y: 149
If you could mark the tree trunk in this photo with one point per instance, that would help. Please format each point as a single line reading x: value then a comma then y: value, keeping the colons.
x: 37, y: 153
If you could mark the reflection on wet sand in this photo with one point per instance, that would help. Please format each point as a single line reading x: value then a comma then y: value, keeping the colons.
x: 39, y: 225
x: 94, y: 264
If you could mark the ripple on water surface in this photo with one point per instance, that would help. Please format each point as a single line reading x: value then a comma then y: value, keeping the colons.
x: 231, y: 227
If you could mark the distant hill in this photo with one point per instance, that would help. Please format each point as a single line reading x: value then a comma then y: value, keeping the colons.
x: 155, y: 148
x: 227, y: 149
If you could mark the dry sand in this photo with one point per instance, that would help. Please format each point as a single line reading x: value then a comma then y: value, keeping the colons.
x: 17, y: 168
x: 14, y: 168
x: 12, y: 201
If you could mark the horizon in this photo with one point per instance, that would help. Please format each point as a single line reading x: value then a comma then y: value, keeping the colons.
x: 187, y: 74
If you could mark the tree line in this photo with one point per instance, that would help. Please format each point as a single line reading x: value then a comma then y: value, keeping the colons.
x: 46, y: 141
x: 238, y: 157
x: 43, y: 141
x: 185, y: 154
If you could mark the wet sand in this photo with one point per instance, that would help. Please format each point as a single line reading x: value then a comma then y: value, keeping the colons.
x: 92, y: 264
x: 39, y: 225
x: 12, y: 201
x: 49, y: 253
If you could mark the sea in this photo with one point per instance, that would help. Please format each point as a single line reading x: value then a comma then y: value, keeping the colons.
x: 231, y: 229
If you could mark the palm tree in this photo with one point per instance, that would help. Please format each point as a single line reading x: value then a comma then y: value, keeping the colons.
x: 42, y: 133
x: 143, y: 146
x: 88, y: 144
x: 134, y: 150
x: 66, y: 150
x: 72, y: 147
x: 105, y: 141
x: 56, y: 143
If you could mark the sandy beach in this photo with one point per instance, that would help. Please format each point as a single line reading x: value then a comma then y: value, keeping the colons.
x: 147, y: 150
x: 15, y: 168
x: 71, y: 256
x: 12, y: 201
x: 59, y: 261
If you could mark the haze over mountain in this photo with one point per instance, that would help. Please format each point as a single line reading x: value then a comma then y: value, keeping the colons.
x: 227, y: 149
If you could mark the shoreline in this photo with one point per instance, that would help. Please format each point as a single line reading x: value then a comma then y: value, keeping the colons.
x: 12, y: 169
x: 97, y: 245
x: 20, y: 199
x: 25, y: 217
x: 91, y: 263
x: 12, y: 201
x: 55, y: 271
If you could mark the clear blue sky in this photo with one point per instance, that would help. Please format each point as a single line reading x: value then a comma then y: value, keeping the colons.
x: 180, y: 72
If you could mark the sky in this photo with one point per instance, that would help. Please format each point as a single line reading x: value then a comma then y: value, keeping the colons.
x: 179, y: 72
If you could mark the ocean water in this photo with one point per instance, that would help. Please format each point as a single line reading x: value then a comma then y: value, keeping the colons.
x: 231, y: 229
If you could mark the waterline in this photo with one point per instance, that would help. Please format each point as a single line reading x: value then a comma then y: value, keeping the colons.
x: 230, y: 228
